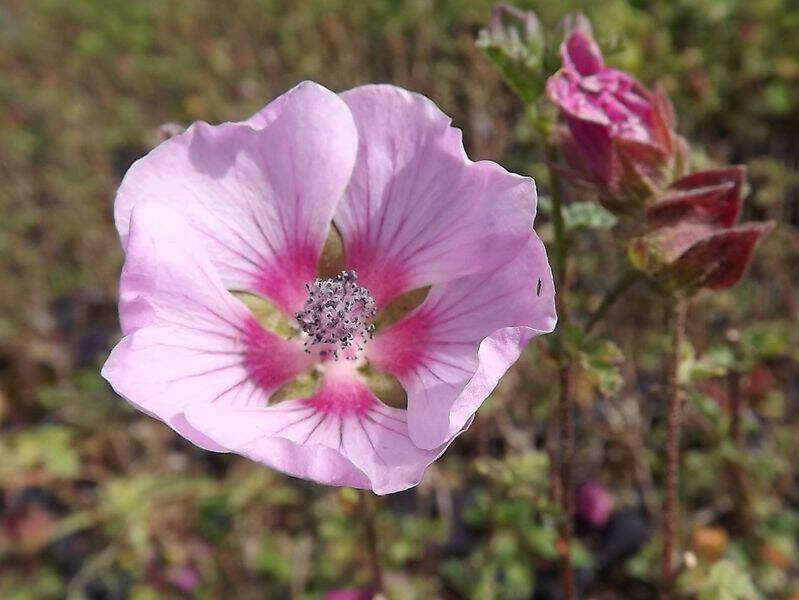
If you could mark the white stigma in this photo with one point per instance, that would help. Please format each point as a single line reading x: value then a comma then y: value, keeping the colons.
x: 337, y: 315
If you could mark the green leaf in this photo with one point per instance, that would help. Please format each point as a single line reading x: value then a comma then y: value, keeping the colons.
x: 707, y: 407
x: 600, y: 362
x: 726, y: 581
x: 49, y: 447
x: 273, y: 562
x: 542, y: 539
x: 587, y: 215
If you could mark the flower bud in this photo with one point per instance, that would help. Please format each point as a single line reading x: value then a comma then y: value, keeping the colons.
x: 692, y: 241
x: 617, y: 137
x: 515, y: 44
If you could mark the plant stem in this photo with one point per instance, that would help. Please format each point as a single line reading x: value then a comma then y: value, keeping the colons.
x: 679, y: 310
x: 566, y: 417
x: 552, y: 447
x: 370, y: 532
x: 622, y: 284
x: 737, y: 409
x: 558, y: 222
x: 565, y: 413
x: 738, y: 406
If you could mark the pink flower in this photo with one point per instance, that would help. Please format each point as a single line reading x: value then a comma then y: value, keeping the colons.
x: 248, y: 207
x: 620, y: 137
x: 186, y: 578
x: 594, y: 504
x: 693, y: 241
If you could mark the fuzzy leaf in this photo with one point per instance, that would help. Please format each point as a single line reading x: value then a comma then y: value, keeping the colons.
x: 587, y: 215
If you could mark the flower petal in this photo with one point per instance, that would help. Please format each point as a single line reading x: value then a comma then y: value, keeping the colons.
x: 568, y: 95
x: 341, y: 436
x: 271, y: 111
x: 663, y: 120
x: 417, y: 210
x: 581, y: 54
x: 188, y: 340
x: 450, y: 353
x: 596, y: 149
x: 262, y: 199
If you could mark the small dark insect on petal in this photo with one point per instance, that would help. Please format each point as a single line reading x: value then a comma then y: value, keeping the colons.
x: 538, y: 288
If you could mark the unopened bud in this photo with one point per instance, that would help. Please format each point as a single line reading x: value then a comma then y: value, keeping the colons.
x: 514, y: 42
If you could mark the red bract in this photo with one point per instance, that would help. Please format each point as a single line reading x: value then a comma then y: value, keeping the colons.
x: 619, y: 137
x: 693, y: 241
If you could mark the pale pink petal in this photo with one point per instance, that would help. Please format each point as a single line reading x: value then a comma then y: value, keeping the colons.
x: 450, y: 353
x: 262, y: 199
x: 341, y: 436
x: 187, y: 339
x: 417, y: 210
x: 270, y: 112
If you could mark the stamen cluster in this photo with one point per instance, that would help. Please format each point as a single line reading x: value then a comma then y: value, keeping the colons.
x: 337, y: 315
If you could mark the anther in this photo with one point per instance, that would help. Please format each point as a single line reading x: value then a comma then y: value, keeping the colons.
x: 337, y: 315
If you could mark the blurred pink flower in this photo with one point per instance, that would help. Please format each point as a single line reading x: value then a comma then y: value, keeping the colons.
x: 185, y: 578
x: 619, y: 137
x: 248, y: 207
x: 350, y: 594
x: 594, y: 504
x: 693, y: 241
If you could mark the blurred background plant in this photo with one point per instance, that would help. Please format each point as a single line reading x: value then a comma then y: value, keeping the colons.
x: 99, y: 501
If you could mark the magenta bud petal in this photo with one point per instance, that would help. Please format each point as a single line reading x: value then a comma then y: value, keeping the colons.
x: 581, y: 53
x: 593, y: 142
x: 664, y: 118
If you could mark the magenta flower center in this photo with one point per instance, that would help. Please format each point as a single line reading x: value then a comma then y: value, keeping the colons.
x: 337, y: 316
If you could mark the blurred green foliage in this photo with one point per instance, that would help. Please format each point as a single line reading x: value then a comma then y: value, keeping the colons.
x: 100, y: 501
